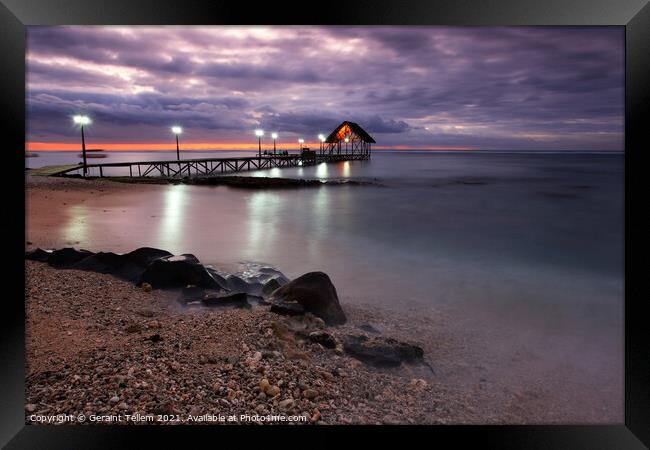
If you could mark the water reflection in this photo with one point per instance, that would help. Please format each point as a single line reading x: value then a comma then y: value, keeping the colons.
x: 172, y: 222
x: 76, y: 230
x: 345, y: 169
x: 263, y: 223
x: 321, y: 170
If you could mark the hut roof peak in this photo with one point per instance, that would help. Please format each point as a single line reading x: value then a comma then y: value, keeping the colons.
x: 347, y: 128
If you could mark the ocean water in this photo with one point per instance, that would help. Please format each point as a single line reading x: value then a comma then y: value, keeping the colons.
x: 526, y: 245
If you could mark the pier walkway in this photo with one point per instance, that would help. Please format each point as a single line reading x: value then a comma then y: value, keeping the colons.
x: 203, y: 166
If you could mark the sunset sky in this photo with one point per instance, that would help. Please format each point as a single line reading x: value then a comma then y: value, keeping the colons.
x: 518, y: 88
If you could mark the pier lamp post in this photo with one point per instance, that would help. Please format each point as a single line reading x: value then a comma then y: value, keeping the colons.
x: 347, y: 139
x: 321, y: 138
x: 274, y: 136
x: 301, y: 141
x: 82, y: 120
x: 177, y: 130
x: 259, y: 134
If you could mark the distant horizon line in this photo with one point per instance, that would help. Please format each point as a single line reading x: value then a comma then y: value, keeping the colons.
x: 34, y: 147
x: 405, y: 150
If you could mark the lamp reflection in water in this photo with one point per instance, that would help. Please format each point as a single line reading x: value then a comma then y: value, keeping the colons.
x: 76, y: 230
x: 321, y: 170
x: 171, y: 226
x: 320, y: 225
x: 263, y: 224
x: 345, y: 169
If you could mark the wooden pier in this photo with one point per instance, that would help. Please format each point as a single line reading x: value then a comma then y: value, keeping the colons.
x: 348, y: 142
x: 205, y: 166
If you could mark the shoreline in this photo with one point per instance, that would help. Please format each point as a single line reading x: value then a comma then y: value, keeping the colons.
x: 237, y: 181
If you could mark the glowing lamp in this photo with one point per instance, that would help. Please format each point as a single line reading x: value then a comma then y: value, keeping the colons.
x: 82, y: 120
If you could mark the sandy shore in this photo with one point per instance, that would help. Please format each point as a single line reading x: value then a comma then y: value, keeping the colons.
x: 88, y: 352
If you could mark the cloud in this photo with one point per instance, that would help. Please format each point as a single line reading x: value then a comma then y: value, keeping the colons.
x: 518, y: 87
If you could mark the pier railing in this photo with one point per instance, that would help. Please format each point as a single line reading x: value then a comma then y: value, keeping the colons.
x: 206, y: 166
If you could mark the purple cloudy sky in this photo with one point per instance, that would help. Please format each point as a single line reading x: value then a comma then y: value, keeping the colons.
x: 413, y: 87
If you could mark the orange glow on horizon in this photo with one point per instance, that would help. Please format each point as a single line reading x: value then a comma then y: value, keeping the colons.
x: 67, y: 146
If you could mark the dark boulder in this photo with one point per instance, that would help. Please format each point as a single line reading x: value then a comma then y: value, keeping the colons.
x: 238, y: 284
x: 323, y: 338
x: 67, y: 257
x: 218, y: 277
x: 128, y: 266
x: 288, y: 308
x: 177, y: 272
x: 316, y: 293
x: 38, y: 255
x: 270, y: 286
x: 144, y: 256
x: 269, y: 273
x: 237, y: 299
x: 191, y: 293
x: 381, y: 352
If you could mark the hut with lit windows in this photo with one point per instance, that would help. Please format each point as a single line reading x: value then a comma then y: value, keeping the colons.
x: 347, y: 138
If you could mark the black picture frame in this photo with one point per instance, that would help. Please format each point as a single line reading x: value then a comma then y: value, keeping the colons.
x: 15, y: 15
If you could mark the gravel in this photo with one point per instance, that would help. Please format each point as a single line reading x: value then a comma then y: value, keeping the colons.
x: 99, y: 346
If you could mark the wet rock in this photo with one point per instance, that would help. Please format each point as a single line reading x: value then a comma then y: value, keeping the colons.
x: 316, y: 293
x: 37, y: 255
x: 191, y: 293
x: 287, y: 308
x: 238, y: 284
x: 381, y: 352
x: 128, y: 266
x: 268, y: 273
x: 67, y: 257
x: 237, y: 299
x: 323, y: 338
x: 219, y: 278
x: 270, y: 286
x: 178, y: 272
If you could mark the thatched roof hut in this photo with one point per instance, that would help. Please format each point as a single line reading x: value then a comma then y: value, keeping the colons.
x: 352, y: 131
